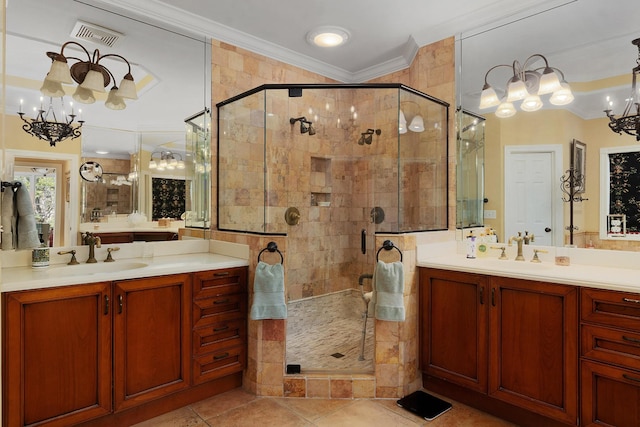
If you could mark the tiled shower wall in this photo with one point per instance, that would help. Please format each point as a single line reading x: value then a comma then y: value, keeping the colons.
x: 396, y: 366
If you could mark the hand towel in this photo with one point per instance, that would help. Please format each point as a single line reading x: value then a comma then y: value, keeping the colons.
x: 268, y: 292
x: 27, y: 230
x: 388, y: 294
x: 8, y: 219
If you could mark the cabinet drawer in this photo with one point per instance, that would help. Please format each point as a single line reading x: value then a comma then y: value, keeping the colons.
x: 610, y: 308
x: 218, y: 364
x: 611, y: 346
x: 225, y: 307
x: 609, y: 396
x: 220, y: 282
x: 219, y: 335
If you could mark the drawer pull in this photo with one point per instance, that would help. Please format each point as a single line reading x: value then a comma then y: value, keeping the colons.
x: 222, y: 301
x: 630, y: 378
x: 481, y: 295
x: 120, y: 303
x: 221, y: 328
x: 633, y: 340
x: 225, y: 355
x: 636, y: 301
x: 493, y: 297
x: 222, y: 274
x: 106, y: 304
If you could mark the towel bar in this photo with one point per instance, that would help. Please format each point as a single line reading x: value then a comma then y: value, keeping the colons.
x: 388, y: 245
x: 272, y: 247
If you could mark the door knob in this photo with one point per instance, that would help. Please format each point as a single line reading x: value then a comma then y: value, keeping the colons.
x: 547, y: 229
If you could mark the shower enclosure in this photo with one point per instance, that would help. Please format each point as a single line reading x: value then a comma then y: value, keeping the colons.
x: 330, y: 167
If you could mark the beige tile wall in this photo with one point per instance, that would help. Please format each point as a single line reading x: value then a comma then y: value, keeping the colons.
x: 234, y: 71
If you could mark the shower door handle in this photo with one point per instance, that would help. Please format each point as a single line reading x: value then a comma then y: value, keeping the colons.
x: 363, y: 241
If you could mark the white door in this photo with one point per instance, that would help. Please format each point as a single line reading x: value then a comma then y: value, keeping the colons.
x: 532, y: 193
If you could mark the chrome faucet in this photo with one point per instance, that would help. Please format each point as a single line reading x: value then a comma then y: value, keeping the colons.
x: 519, y: 239
x: 93, y: 241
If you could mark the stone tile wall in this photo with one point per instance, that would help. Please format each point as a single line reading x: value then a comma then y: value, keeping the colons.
x: 234, y: 71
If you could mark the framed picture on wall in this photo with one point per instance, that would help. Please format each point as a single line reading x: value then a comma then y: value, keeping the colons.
x: 578, y: 163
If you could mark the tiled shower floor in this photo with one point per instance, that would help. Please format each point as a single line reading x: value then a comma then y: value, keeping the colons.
x: 313, y: 348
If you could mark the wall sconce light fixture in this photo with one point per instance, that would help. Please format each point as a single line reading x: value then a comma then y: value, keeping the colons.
x: 412, y: 110
x: 166, y: 160
x: 629, y: 121
x: 527, y: 85
x: 90, y: 75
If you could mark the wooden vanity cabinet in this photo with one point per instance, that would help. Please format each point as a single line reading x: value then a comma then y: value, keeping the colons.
x: 610, y: 358
x: 151, y: 347
x: 454, y: 327
x: 507, y: 339
x: 117, y: 353
x: 57, y: 355
x: 533, y: 346
x: 219, y: 323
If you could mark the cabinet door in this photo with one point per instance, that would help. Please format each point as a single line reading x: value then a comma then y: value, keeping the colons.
x: 57, y: 350
x: 610, y: 396
x: 151, y: 338
x: 533, y: 356
x: 454, y: 326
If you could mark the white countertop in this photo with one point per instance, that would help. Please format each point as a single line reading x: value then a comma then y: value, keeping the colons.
x: 132, y: 260
x: 604, y: 269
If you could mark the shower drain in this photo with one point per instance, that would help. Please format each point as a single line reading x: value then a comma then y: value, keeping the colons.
x: 337, y: 355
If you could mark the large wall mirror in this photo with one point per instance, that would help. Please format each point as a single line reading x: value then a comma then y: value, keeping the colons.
x: 150, y: 141
x: 527, y: 155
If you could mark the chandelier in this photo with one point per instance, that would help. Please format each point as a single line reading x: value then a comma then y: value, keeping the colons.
x: 90, y: 75
x: 527, y: 85
x: 629, y: 122
x: 45, y: 124
x: 167, y: 160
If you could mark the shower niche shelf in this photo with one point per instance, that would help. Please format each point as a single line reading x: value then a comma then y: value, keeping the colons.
x: 320, y: 181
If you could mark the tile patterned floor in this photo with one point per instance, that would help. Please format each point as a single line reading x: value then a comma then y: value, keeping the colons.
x: 312, y: 349
x: 237, y: 408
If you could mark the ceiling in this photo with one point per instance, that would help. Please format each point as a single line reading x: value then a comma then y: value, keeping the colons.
x: 586, y: 39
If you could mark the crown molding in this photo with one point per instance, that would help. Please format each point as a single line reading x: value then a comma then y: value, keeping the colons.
x: 179, y: 18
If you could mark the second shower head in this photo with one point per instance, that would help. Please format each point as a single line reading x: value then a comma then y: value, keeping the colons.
x: 305, y: 125
x: 367, y: 137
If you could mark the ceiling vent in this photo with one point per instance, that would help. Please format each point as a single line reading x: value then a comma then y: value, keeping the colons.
x: 96, y: 34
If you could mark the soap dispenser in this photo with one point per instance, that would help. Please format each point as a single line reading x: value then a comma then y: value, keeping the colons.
x: 471, y: 246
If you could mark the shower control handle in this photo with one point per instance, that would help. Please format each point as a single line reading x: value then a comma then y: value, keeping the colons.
x: 363, y: 241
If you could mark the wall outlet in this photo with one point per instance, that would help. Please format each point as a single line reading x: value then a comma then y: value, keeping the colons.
x: 489, y: 214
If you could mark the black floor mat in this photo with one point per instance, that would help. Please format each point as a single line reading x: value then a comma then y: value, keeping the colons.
x: 424, y: 405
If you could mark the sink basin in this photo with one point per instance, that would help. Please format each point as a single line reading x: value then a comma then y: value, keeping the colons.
x: 91, y: 269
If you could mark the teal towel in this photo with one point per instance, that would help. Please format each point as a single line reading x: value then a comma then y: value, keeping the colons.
x: 268, y: 292
x: 388, y: 291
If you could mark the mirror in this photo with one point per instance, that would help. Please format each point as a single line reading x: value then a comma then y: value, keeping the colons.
x: 171, y: 70
x: 590, y: 42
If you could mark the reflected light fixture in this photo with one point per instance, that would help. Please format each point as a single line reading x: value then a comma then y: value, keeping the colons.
x: 412, y: 110
x: 167, y: 160
x: 90, y: 75
x: 527, y: 85
x: 45, y: 125
x: 629, y: 121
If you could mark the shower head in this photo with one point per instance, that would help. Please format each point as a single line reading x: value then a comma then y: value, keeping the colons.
x: 305, y: 125
x: 367, y: 137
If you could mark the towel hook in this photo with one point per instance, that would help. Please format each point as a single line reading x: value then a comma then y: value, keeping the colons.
x: 388, y: 245
x: 13, y: 185
x: 272, y: 247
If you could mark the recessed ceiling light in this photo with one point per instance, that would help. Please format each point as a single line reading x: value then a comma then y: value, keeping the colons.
x: 328, y: 36
x: 102, y: 152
